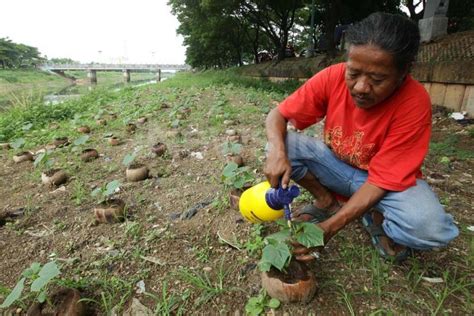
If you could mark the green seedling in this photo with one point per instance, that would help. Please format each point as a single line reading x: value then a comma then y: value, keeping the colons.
x: 43, y: 161
x: 256, y: 241
x: 277, y: 252
x: 128, y: 159
x: 79, y: 142
x: 104, y: 193
x: 256, y: 305
x: 18, y: 143
x: 237, y: 177
x: 231, y: 148
x: 39, y: 278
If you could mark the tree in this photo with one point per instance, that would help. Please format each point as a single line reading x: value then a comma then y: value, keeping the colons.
x: 274, y: 17
x: 214, y: 38
x: 13, y: 55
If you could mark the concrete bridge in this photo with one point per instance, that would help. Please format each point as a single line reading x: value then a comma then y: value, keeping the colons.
x: 126, y: 69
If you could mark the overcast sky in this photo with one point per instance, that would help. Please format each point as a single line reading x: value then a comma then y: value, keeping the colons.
x: 130, y: 31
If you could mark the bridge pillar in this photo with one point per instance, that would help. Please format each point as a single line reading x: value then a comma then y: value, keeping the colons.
x: 158, y: 75
x: 126, y: 75
x: 92, y: 75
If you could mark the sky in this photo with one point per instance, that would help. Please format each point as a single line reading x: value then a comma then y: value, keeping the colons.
x: 106, y: 31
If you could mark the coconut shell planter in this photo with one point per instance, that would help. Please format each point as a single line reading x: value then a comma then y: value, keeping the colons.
x: 60, y: 142
x: 54, y: 177
x: 110, y: 211
x: 237, y: 159
x: 142, y: 120
x: 89, y: 155
x: 63, y: 302
x: 101, y: 122
x: 136, y: 172
x: 158, y: 149
x: 114, y: 141
x: 131, y: 128
x: 23, y: 156
x: 297, y: 285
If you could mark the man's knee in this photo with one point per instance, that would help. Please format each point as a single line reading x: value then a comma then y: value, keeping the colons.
x: 425, y: 230
x: 419, y: 221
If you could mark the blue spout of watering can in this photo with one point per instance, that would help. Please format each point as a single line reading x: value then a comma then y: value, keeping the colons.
x: 281, y: 198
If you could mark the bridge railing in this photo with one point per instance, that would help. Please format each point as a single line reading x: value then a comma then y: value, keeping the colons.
x: 94, y: 66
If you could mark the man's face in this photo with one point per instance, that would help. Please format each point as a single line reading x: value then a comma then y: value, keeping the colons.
x: 371, y: 75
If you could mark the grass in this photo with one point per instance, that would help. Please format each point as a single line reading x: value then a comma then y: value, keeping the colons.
x: 354, y: 279
x: 206, y: 286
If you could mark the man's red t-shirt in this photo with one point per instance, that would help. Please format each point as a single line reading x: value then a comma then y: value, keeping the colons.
x: 389, y: 140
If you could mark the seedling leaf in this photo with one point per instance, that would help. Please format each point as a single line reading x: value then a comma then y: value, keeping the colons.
x: 128, y: 159
x: 280, y: 236
x: 47, y: 273
x: 18, y: 143
x: 34, y: 268
x: 254, y: 306
x: 42, y: 296
x: 111, y: 187
x: 81, y: 140
x: 277, y: 255
x: 229, y: 169
x: 14, y: 294
x: 27, y: 127
x: 274, y: 303
x: 310, y: 235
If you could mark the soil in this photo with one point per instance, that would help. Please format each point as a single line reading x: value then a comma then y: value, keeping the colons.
x: 294, y: 273
x: 59, y: 225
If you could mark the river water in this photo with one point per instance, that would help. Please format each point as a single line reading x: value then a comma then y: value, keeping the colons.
x: 75, y: 91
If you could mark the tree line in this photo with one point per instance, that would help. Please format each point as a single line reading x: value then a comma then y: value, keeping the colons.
x: 223, y: 33
x: 15, y: 55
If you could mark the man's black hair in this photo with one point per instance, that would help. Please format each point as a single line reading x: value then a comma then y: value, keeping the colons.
x: 393, y: 33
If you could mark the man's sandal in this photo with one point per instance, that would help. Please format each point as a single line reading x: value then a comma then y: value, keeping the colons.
x: 376, y: 231
x: 318, y: 214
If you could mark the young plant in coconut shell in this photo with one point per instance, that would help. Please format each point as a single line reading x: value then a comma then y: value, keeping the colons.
x: 38, y: 278
x: 49, y: 176
x: 283, y: 278
x: 108, y: 210
x: 87, y: 154
x: 135, y: 171
x: 21, y: 156
x: 231, y: 151
x: 236, y: 179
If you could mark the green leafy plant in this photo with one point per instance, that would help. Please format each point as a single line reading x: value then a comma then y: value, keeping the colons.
x: 256, y: 305
x: 128, y: 159
x: 235, y: 176
x: 256, y: 241
x: 18, y: 143
x: 43, y: 160
x: 277, y: 251
x: 106, y: 191
x: 39, y: 277
x: 79, y: 142
x: 231, y: 148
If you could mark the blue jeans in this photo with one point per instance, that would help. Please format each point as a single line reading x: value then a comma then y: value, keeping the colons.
x: 413, y: 217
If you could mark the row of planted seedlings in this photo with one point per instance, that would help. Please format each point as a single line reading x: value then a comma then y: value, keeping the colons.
x: 67, y: 301
x: 283, y: 278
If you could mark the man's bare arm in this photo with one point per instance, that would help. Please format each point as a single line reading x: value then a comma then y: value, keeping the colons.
x: 277, y: 165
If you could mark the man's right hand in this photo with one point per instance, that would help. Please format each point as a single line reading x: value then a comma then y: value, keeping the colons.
x: 277, y: 167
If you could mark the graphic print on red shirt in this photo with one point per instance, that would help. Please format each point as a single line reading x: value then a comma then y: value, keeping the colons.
x: 389, y: 140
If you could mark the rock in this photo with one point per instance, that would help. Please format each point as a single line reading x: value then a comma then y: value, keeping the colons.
x: 136, y: 308
x: 231, y: 132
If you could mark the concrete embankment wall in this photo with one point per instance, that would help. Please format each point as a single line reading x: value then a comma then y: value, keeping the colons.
x: 445, y: 67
